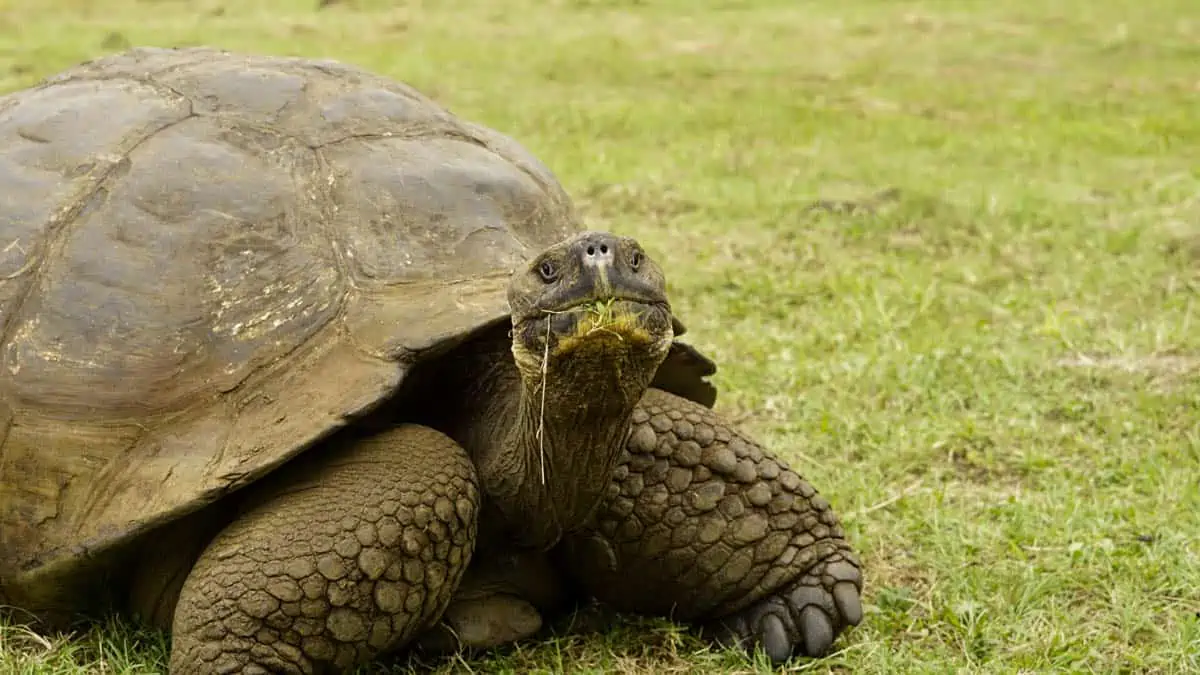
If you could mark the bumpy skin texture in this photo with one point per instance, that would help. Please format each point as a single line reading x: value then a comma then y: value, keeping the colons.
x: 345, y: 556
x: 702, y: 525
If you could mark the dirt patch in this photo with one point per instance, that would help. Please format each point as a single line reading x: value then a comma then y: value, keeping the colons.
x: 1165, y: 370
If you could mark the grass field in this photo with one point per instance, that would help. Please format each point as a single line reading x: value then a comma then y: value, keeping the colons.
x: 989, y: 365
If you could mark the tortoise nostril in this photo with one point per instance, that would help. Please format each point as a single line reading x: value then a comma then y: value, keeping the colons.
x: 598, y: 250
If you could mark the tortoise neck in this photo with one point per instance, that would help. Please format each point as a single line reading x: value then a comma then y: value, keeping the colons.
x: 562, y: 444
x: 544, y: 456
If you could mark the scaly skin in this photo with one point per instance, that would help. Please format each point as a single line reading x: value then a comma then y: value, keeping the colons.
x: 702, y: 525
x: 348, y: 554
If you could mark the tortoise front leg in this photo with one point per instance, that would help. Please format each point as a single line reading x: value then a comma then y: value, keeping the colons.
x: 703, y: 526
x: 347, y: 554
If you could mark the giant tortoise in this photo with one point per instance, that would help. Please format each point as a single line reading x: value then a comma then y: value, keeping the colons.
x: 305, y: 369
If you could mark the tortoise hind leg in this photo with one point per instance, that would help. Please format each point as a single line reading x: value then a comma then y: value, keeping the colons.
x: 347, y: 554
x: 504, y: 597
x: 704, y: 526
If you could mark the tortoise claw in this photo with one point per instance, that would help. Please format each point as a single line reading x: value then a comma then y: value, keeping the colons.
x: 775, y: 638
x: 845, y: 596
x: 804, y: 619
x: 817, y: 631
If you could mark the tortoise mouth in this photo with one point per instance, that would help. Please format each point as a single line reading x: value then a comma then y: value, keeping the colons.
x: 594, y: 305
x: 618, y: 322
x: 615, y: 316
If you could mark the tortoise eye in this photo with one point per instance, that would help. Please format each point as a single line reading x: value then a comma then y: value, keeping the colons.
x: 635, y: 260
x: 548, y: 271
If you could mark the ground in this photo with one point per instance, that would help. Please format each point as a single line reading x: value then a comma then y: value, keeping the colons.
x: 946, y: 253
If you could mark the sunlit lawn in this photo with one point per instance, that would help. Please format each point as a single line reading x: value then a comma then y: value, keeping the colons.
x: 946, y: 254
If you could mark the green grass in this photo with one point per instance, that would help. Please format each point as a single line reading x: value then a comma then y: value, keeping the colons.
x: 991, y: 370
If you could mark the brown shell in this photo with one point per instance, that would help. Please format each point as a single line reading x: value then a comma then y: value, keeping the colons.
x: 209, y: 260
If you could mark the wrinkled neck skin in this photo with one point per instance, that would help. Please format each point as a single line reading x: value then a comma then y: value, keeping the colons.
x: 547, y: 474
x: 486, y: 394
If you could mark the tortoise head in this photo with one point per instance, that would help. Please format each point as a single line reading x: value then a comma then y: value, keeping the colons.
x: 596, y: 297
x: 590, y: 326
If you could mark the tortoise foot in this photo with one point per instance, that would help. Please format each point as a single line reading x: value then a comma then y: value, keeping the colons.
x: 482, y: 623
x: 803, y: 619
x: 504, y: 597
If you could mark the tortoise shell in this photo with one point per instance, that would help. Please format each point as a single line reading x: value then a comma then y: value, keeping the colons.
x: 209, y: 261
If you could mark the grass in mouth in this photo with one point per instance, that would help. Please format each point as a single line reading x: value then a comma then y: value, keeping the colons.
x: 601, y: 317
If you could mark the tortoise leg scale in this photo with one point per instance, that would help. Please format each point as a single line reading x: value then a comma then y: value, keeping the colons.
x: 704, y: 526
x: 347, y: 554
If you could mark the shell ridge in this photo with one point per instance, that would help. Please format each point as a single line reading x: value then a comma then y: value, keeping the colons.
x: 67, y: 214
